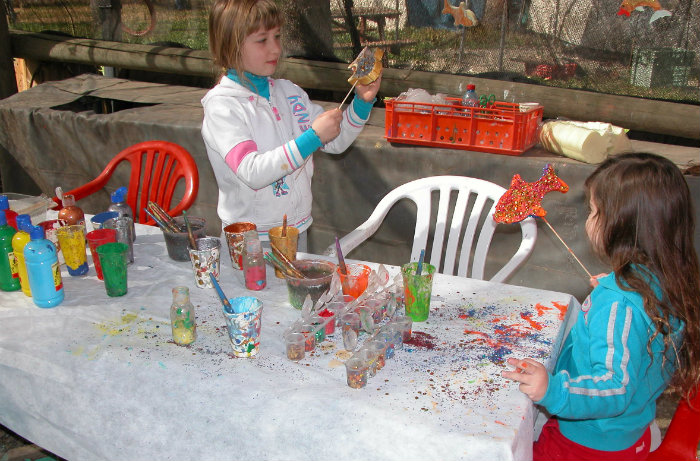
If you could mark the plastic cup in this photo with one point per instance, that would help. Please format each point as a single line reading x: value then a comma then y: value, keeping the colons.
x: 350, y: 328
x: 320, y: 274
x: 72, y: 241
x: 50, y: 228
x: 244, y: 327
x: 330, y: 317
x: 356, y: 368
x: 178, y: 243
x: 234, y: 239
x: 95, y: 239
x: 354, y: 283
x: 113, y: 259
x: 287, y: 244
x: 205, y: 260
x: 98, y: 220
x: 318, y: 323
x: 124, y: 226
x: 378, y: 349
x: 405, y: 325
x: 417, y: 290
x: 295, y: 346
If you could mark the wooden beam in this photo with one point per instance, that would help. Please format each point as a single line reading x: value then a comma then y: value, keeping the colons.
x: 661, y: 117
x: 8, y: 82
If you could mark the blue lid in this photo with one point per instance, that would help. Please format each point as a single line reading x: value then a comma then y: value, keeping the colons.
x: 24, y: 221
x: 119, y: 195
x: 3, y: 219
x: 36, y: 232
x: 4, y: 202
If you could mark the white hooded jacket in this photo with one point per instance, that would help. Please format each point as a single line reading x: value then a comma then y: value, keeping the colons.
x: 250, y: 141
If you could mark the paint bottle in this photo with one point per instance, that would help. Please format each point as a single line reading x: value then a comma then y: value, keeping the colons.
x: 19, y: 241
x: 182, y: 317
x: 10, y: 215
x: 7, y: 257
x: 120, y: 206
x: 71, y: 213
x: 253, y: 262
x: 43, y: 270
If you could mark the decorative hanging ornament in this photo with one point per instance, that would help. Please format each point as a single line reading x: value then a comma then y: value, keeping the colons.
x: 524, y: 199
x: 366, y: 68
x: 461, y: 14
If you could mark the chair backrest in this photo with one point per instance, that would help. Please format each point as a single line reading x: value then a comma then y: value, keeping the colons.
x: 683, y: 435
x: 156, y: 169
x: 421, y: 191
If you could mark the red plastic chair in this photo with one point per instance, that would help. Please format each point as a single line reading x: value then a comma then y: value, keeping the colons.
x: 167, y: 164
x: 680, y: 442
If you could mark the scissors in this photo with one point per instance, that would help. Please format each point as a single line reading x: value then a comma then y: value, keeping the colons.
x: 487, y: 100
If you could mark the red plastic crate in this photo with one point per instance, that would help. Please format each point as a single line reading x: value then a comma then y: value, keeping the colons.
x: 501, y: 129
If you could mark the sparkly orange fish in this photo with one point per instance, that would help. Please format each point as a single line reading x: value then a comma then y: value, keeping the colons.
x: 628, y: 6
x: 524, y: 199
x: 461, y: 13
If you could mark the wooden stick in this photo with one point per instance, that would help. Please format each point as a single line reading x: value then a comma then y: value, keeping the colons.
x: 270, y: 258
x: 567, y: 247
x: 283, y: 258
x: 284, y: 226
x: 160, y: 223
x: 190, y: 235
x: 346, y: 96
x: 341, y: 260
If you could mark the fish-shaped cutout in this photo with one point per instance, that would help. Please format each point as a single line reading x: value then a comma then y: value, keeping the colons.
x: 523, y: 199
x: 628, y: 6
x: 462, y: 15
x: 367, y: 67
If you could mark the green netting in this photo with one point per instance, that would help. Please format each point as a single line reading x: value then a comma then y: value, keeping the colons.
x: 584, y: 44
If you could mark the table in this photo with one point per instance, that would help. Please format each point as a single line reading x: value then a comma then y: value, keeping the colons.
x: 100, y: 378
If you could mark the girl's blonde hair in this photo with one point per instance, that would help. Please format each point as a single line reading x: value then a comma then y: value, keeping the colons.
x: 646, y: 221
x: 231, y: 21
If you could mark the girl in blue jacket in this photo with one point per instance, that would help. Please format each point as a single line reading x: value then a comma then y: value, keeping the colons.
x: 639, y: 329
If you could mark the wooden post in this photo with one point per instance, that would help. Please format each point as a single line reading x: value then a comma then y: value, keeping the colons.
x: 8, y: 82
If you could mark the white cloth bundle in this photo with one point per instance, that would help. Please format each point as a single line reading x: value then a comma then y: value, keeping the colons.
x: 589, y: 142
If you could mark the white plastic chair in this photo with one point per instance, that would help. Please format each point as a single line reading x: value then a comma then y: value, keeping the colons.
x: 420, y: 191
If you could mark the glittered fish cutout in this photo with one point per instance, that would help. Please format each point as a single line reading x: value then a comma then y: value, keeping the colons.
x: 367, y: 66
x: 524, y: 199
x: 461, y: 14
x: 628, y: 6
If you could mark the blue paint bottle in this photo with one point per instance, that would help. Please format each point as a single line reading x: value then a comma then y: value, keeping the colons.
x: 43, y: 270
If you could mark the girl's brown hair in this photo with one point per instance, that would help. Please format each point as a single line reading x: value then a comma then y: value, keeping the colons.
x: 645, y: 218
x: 231, y: 21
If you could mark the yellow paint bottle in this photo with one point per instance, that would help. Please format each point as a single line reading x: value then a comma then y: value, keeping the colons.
x: 19, y: 241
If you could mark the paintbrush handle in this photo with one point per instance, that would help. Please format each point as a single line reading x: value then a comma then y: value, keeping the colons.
x: 159, y: 219
x: 567, y: 247
x: 341, y: 260
x: 222, y: 296
x: 160, y: 223
x: 163, y: 215
x: 284, y: 226
x: 277, y: 264
x: 190, y: 235
x: 283, y: 258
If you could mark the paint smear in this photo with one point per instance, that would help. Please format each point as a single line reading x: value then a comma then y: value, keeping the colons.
x: 562, y: 309
x: 528, y: 317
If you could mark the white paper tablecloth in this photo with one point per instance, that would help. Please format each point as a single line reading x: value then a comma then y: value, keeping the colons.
x: 100, y: 378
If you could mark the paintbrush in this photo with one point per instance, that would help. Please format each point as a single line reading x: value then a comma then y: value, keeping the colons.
x: 154, y: 213
x: 277, y: 264
x: 224, y: 300
x: 154, y: 207
x: 281, y: 256
x: 190, y: 235
x: 419, y: 269
x: 158, y: 221
x: 341, y: 260
x: 284, y: 226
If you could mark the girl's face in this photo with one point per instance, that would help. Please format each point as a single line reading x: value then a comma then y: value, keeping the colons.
x: 261, y: 52
x: 592, y: 225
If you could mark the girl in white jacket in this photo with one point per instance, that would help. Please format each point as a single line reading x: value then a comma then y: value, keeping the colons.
x: 260, y: 132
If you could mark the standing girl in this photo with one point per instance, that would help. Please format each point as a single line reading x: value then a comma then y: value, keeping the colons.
x: 260, y: 132
x: 637, y: 330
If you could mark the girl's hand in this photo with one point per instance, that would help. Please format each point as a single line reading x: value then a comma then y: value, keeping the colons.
x: 327, y: 125
x: 594, y: 280
x: 368, y: 92
x: 531, y: 375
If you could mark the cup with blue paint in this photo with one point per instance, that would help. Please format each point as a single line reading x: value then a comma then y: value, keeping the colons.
x: 244, y: 321
x: 99, y: 219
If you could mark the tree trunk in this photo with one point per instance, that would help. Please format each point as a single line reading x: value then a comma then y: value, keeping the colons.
x: 307, y: 30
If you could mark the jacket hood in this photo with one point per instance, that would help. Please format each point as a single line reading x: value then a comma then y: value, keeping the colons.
x: 229, y: 88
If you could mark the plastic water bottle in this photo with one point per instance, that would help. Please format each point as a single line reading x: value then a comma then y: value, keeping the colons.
x: 43, y: 269
x: 120, y: 206
x: 7, y: 256
x: 19, y: 241
x: 253, y: 262
x: 470, y: 99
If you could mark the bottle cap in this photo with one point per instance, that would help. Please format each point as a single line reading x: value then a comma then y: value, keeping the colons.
x: 119, y: 195
x: 68, y: 200
x: 4, y: 202
x: 471, y: 86
x: 3, y: 219
x: 36, y: 232
x: 24, y: 221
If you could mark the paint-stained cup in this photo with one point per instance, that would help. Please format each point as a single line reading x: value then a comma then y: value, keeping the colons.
x: 350, y: 328
x: 72, y: 241
x: 417, y: 289
x: 98, y: 220
x: 178, y: 243
x: 287, y: 244
x: 356, y: 369
x: 319, y: 273
x: 205, y: 260
x: 95, y: 239
x: 295, y: 345
x: 50, y: 228
x: 234, y: 238
x: 244, y: 326
x: 354, y: 283
x: 113, y: 259
x: 124, y: 226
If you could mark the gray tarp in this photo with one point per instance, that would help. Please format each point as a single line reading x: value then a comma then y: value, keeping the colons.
x: 58, y: 135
